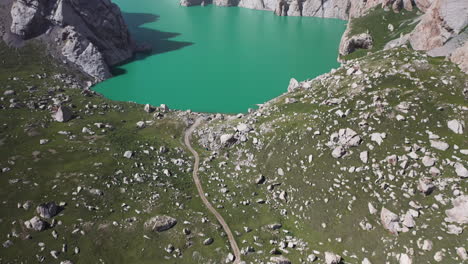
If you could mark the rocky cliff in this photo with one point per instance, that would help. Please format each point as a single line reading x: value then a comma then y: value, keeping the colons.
x: 440, y: 31
x: 342, y: 9
x: 90, y: 35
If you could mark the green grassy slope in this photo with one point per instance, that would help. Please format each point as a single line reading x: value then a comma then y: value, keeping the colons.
x: 336, y: 192
x: 112, y: 232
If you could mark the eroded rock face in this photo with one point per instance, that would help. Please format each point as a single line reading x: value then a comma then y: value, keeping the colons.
x: 342, y: 9
x: 27, y: 17
x: 160, y: 223
x: 350, y: 44
x: 91, y: 35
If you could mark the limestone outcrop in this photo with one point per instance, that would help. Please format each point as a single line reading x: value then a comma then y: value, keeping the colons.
x: 342, y: 9
x: 91, y: 35
x: 444, y: 20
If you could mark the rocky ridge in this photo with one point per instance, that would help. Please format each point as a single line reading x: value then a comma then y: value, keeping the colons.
x: 91, y: 35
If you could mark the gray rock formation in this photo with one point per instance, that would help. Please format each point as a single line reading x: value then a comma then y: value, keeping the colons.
x: 91, y: 35
x: 342, y: 9
x: 160, y: 223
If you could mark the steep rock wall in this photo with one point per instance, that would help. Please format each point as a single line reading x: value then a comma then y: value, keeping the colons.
x: 90, y: 34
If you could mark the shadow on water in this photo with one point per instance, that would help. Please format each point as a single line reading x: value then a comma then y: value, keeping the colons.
x: 159, y: 41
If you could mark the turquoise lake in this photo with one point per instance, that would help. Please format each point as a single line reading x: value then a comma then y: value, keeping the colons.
x: 219, y: 59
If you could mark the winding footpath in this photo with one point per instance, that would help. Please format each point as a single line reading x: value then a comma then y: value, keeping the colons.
x: 196, y: 179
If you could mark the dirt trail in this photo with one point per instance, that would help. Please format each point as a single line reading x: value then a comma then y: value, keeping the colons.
x: 196, y: 179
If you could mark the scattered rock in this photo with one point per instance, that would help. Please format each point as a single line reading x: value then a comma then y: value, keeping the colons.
x: 208, y: 241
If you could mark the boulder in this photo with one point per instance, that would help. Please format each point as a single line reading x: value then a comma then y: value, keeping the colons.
x: 346, y: 138
x: 459, y: 212
x: 440, y: 145
x: 36, y: 224
x: 63, y: 114
x: 390, y: 221
x: 456, y: 126
x: 227, y: 139
x: 405, y: 259
x: 460, y: 170
x: 332, y: 258
x: 47, y: 210
x: 293, y: 85
x: 160, y: 223
x: 461, y: 252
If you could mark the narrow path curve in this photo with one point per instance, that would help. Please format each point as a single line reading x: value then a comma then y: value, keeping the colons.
x: 196, y: 179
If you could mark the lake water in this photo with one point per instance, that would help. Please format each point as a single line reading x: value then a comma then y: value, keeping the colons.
x: 219, y: 59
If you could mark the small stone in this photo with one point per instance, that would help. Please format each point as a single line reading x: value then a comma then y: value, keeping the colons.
x: 128, y: 154
x: 141, y: 124
x: 427, y: 245
x: 364, y: 156
x: 208, y: 241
